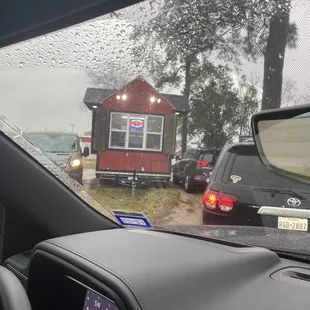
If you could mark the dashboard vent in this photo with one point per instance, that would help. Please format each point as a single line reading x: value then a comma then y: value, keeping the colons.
x: 296, y: 276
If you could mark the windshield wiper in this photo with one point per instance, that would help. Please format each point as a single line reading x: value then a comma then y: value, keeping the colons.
x: 281, y: 191
x: 59, y: 152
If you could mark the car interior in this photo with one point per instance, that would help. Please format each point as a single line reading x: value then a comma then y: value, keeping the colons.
x: 59, y: 253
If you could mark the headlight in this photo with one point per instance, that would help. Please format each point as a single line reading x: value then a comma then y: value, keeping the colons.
x: 75, y: 163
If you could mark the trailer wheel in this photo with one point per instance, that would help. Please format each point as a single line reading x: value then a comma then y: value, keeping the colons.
x: 163, y: 184
x: 102, y: 182
x: 159, y: 185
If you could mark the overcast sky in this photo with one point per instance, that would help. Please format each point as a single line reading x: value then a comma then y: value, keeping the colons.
x: 43, y: 81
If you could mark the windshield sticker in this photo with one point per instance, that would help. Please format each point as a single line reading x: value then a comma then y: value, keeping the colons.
x: 235, y: 178
x: 131, y: 219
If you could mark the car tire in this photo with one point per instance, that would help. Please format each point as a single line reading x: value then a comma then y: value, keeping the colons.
x: 188, y: 184
x: 175, y: 179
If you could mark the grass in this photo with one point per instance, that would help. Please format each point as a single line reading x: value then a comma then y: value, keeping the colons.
x: 153, y: 202
x: 89, y: 163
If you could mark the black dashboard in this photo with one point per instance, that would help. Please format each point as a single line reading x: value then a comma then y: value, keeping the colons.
x: 124, y: 269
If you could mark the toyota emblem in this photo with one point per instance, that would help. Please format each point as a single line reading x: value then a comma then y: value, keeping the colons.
x: 293, y: 202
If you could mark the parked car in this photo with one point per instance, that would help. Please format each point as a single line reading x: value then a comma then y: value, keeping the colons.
x: 62, y: 148
x: 240, y: 184
x: 194, y: 168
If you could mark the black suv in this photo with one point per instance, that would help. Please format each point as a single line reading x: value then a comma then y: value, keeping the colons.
x: 240, y: 184
x: 194, y: 168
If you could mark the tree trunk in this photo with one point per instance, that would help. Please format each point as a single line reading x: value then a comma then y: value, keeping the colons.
x: 187, y: 89
x: 274, y: 61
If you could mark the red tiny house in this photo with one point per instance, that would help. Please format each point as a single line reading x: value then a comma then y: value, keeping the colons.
x: 118, y: 160
x: 134, y: 131
x: 138, y: 92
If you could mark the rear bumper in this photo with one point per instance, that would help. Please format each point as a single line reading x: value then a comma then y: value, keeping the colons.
x: 200, y: 180
x: 248, y: 217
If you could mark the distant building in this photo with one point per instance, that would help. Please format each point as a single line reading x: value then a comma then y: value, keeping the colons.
x: 85, y: 141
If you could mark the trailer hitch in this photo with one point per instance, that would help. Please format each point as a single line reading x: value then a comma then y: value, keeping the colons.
x: 133, y: 183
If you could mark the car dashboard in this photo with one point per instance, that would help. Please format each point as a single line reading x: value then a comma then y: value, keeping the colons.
x: 126, y: 269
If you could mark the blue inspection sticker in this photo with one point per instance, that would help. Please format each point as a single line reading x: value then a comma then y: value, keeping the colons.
x: 132, y: 220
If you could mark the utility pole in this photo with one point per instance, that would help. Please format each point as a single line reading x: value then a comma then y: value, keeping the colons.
x: 72, y: 126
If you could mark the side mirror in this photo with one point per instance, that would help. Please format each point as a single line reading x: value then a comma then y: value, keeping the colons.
x: 86, y: 151
x: 283, y: 141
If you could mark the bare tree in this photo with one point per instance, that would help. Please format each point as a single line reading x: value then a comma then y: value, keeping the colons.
x: 111, y: 76
x: 292, y: 96
x: 305, y: 98
x: 249, y: 103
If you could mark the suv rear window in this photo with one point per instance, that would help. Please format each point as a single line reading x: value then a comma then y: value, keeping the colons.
x: 206, y: 157
x: 248, y: 171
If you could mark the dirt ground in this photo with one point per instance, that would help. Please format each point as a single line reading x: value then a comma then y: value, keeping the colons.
x: 186, y: 212
x: 170, y: 205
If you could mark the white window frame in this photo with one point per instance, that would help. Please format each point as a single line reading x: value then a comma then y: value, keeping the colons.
x: 118, y: 130
x: 145, y: 132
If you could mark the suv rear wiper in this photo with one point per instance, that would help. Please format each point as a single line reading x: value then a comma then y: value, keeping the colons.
x: 281, y: 191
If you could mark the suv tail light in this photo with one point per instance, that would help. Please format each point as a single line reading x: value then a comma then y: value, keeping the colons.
x: 210, y: 199
x: 213, y: 200
x: 202, y: 163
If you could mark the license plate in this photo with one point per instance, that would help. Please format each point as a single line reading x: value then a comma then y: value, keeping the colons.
x: 293, y: 223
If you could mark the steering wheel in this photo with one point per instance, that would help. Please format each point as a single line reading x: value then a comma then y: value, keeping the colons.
x: 12, y: 294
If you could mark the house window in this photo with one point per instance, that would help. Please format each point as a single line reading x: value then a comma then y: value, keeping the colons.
x: 118, y: 130
x: 154, y: 132
x: 136, y: 132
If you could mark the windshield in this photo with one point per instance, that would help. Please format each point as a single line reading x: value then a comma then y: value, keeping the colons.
x: 132, y: 89
x: 54, y: 143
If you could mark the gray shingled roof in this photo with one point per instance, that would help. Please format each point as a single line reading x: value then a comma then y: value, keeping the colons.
x: 97, y: 95
x: 179, y: 102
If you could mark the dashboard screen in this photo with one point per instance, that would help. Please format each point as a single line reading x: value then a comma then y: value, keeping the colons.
x: 78, y: 296
x: 95, y: 301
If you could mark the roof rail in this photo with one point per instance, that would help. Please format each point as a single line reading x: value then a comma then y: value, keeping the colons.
x: 245, y: 138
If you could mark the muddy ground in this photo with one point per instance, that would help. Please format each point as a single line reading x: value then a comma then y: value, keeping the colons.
x: 183, y: 209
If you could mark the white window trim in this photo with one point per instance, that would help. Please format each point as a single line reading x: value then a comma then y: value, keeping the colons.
x: 145, y: 132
